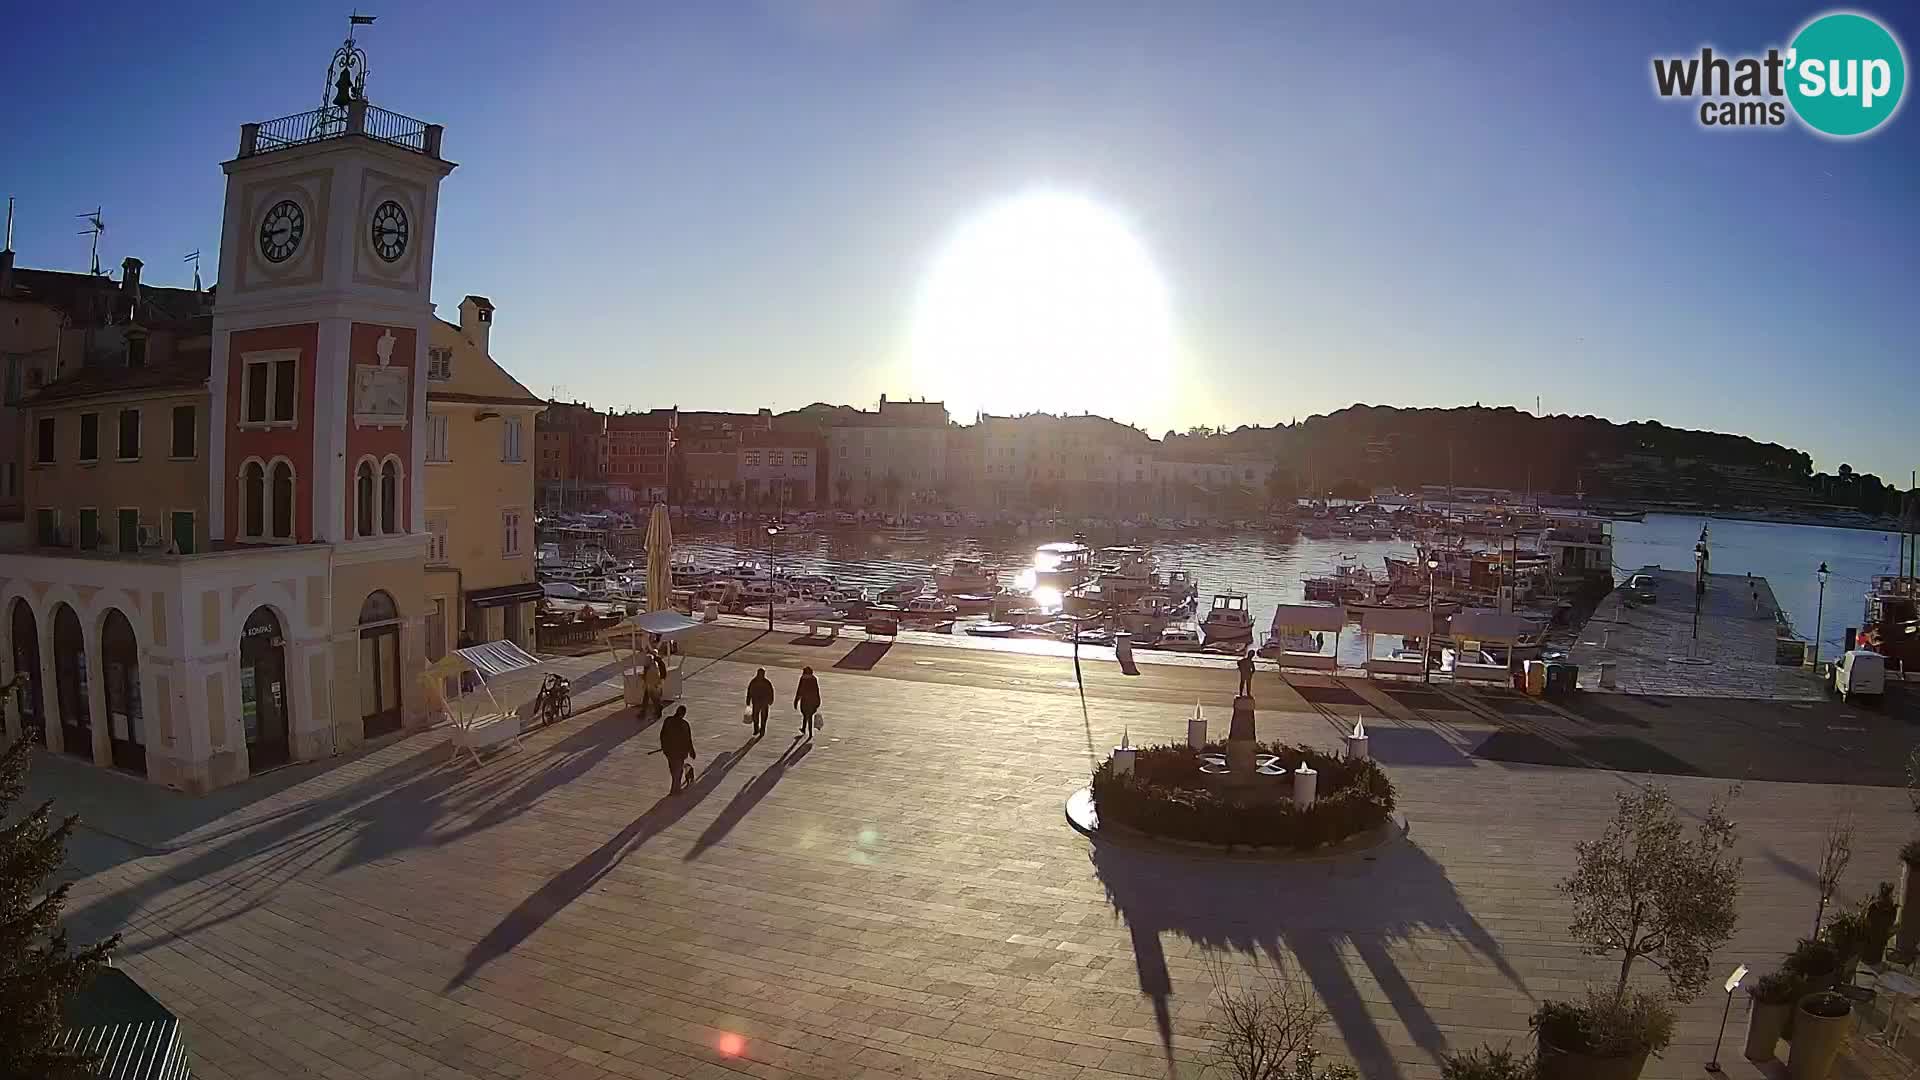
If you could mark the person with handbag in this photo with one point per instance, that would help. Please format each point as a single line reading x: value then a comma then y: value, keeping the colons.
x: 759, y: 700
x: 676, y: 744
x: 806, y: 698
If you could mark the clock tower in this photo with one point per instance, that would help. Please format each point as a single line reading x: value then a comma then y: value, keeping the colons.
x: 321, y: 322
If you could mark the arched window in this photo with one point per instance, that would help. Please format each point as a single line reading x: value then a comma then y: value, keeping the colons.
x: 378, y: 608
x: 282, y: 501
x: 363, y: 499
x: 253, y: 500
x: 390, y: 497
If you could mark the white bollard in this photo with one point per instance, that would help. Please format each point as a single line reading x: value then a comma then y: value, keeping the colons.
x: 1606, y: 674
x: 710, y: 613
x: 1304, y: 781
x: 1123, y: 760
x: 1196, y: 729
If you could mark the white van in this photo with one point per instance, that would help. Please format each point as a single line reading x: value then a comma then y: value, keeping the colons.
x: 1858, y: 673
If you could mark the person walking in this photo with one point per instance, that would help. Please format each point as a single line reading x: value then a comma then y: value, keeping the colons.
x: 760, y: 699
x: 653, y: 684
x: 676, y: 744
x: 1246, y: 673
x: 806, y: 698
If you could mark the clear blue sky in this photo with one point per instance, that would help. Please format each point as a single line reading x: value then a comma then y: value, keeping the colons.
x: 723, y: 205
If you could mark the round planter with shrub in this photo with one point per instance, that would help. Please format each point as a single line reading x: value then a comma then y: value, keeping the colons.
x: 1820, y: 1026
x: 1605, y: 1037
x: 1165, y: 796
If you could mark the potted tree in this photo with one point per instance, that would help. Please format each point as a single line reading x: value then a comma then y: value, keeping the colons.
x: 1820, y: 1026
x: 1908, y: 939
x: 1815, y: 961
x: 1773, y: 1000
x: 1847, y: 932
x: 1643, y: 888
x: 1878, y: 915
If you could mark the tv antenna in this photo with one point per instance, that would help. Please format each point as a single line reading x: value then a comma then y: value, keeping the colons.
x: 194, y: 258
x: 95, y: 226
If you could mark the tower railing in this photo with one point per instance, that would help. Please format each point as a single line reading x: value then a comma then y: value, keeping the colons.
x: 339, y: 121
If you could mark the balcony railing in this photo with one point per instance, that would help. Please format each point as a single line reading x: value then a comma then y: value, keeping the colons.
x: 338, y: 121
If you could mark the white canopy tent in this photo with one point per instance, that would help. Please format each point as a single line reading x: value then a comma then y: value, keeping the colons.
x: 1299, y: 620
x: 641, y: 630
x: 477, y: 727
x: 1397, y: 622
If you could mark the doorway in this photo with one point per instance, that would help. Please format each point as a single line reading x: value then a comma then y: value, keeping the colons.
x: 70, y: 683
x: 26, y: 672
x: 379, y: 665
x: 120, y: 664
x: 263, y: 691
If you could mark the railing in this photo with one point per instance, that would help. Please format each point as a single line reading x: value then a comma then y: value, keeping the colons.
x: 335, y: 121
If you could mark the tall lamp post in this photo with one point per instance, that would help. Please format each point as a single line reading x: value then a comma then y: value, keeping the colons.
x: 1426, y: 647
x: 773, y: 541
x: 1819, y: 614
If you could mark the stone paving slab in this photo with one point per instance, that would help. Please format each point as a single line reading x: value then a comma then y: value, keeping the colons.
x: 1738, y: 617
x: 901, y: 897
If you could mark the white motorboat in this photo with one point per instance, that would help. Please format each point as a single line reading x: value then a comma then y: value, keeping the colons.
x: 993, y: 630
x: 930, y: 607
x: 1178, y: 639
x: 1123, y: 572
x: 1061, y: 565
x: 967, y: 576
x: 972, y: 603
x: 845, y: 598
x: 1228, y: 620
x: 900, y: 592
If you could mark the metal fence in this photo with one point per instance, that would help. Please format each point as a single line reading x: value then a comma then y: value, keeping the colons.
x: 334, y: 121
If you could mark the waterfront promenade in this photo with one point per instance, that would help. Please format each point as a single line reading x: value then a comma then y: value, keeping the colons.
x: 902, y: 897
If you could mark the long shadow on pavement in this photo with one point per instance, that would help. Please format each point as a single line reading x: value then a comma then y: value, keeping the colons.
x: 568, y: 885
x: 746, y: 798
x: 1306, y: 909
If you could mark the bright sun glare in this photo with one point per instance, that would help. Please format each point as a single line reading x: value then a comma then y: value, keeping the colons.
x: 1045, y: 302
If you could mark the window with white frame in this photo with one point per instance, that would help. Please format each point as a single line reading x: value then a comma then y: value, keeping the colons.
x: 510, y: 433
x: 267, y: 390
x: 437, y: 437
x: 437, y: 525
x: 440, y: 364
x: 509, y: 533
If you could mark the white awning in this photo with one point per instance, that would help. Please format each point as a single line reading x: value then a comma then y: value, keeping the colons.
x: 1405, y: 622
x: 1310, y: 617
x: 662, y: 623
x: 496, y: 658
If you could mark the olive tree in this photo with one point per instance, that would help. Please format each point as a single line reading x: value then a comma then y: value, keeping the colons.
x: 1267, y: 1027
x: 1646, y: 889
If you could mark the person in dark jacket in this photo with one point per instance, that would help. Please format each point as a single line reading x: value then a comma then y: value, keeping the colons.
x: 676, y: 744
x: 806, y: 698
x: 760, y: 699
x: 1246, y: 673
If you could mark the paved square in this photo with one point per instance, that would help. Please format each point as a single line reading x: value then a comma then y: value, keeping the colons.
x: 902, y: 897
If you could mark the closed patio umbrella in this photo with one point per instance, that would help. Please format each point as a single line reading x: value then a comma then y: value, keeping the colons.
x: 659, y: 560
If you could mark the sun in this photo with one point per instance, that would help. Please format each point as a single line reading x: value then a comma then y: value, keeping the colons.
x: 1047, y: 302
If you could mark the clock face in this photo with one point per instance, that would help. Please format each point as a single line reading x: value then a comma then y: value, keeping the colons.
x: 389, y: 230
x: 281, y: 229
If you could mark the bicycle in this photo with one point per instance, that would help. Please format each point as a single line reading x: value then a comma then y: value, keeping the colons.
x: 554, y: 701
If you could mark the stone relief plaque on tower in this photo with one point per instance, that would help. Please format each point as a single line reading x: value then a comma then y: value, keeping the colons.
x: 380, y: 391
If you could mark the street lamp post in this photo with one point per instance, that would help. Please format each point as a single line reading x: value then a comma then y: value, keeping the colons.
x: 1426, y: 647
x: 773, y: 540
x: 1819, y: 614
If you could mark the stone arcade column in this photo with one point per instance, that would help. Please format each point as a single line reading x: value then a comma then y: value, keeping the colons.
x: 102, y: 729
x: 49, y: 697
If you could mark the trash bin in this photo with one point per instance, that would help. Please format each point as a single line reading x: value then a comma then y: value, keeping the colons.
x: 1536, y: 678
x: 1562, y: 679
x: 1123, y: 647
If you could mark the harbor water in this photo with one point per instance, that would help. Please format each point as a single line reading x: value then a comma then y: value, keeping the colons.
x: 1270, y: 569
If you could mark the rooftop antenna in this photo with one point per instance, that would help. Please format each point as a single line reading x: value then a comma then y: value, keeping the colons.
x: 9, y: 243
x: 95, y: 226
x: 194, y: 258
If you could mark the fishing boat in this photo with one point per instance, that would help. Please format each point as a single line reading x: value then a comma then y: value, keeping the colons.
x: 993, y: 630
x: 1177, y: 587
x: 846, y: 599
x: 901, y: 592
x: 1178, y: 639
x: 930, y: 607
x: 972, y: 603
x: 967, y: 575
x: 1228, y: 620
x: 1061, y: 565
x: 1890, y: 625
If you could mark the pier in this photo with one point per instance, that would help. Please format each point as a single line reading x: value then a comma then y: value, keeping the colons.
x: 1654, y: 649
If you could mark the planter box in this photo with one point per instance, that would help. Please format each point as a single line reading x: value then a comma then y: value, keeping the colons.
x: 1766, y: 1024
x: 1816, y: 1042
x: 1558, y: 1064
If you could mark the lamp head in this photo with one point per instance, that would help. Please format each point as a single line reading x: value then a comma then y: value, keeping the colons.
x: 1822, y: 573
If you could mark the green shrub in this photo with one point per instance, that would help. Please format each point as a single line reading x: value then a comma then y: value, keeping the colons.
x: 1486, y: 1063
x: 1812, y: 960
x: 1847, y: 933
x: 1606, y: 1025
x: 1878, y: 915
x: 1778, y: 988
x: 1166, y: 796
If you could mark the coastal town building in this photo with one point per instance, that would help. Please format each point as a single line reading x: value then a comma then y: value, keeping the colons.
x: 707, y: 454
x: 225, y: 566
x: 893, y: 457
x: 636, y: 455
x: 479, y: 490
x: 781, y: 469
x: 569, y: 471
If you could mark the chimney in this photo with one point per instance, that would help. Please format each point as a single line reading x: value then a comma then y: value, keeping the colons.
x: 476, y: 321
x: 130, y: 288
x: 6, y: 272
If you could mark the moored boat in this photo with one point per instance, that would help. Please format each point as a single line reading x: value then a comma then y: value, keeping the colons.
x: 1228, y: 620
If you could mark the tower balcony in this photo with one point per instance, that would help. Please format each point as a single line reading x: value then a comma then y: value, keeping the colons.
x: 355, y: 119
